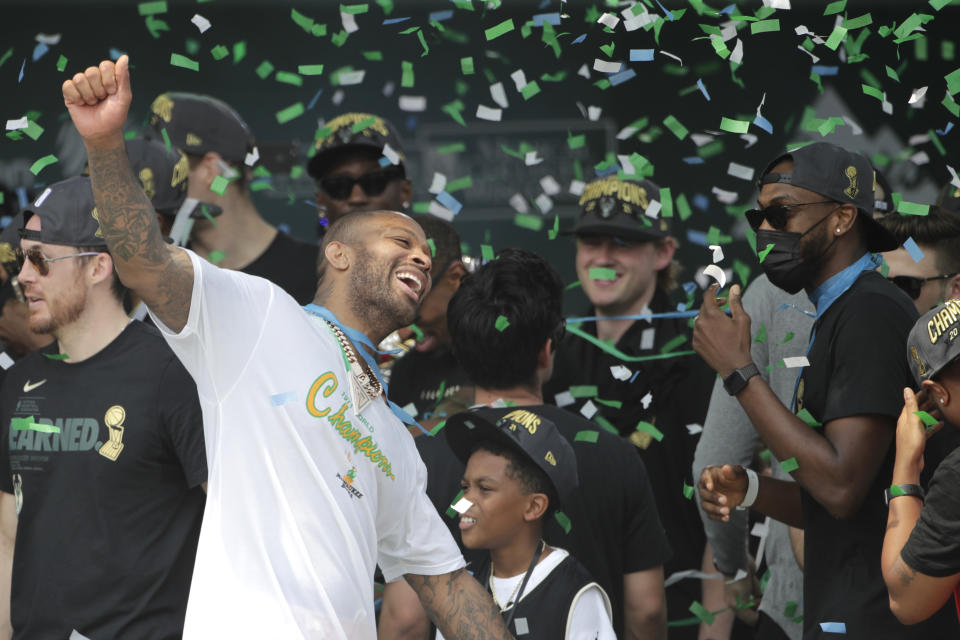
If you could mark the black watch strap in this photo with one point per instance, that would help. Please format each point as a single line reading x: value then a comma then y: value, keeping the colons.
x: 897, y: 490
x: 736, y: 381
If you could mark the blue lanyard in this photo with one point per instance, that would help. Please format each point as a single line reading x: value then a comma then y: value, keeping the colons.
x: 827, y: 293
x: 358, y: 337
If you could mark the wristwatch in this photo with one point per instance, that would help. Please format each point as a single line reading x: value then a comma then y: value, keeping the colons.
x: 897, y: 490
x: 736, y: 381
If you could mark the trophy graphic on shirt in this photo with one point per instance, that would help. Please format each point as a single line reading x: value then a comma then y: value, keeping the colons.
x: 113, y: 418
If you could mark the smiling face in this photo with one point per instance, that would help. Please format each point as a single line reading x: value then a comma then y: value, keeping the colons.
x: 635, y: 265
x: 497, y: 515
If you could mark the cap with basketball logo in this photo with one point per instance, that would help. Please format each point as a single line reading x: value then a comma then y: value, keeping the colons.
x: 352, y: 132
x: 839, y: 175
x: 67, y: 213
x: 523, y: 430
x: 198, y: 124
x: 625, y: 209
x: 933, y: 341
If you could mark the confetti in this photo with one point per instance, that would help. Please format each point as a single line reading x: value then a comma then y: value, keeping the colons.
x: 461, y: 506
x: 833, y: 627
x: 178, y: 60
x: 734, y: 126
x: 501, y: 323
x: 27, y: 424
x: 563, y: 521
x: 927, y: 419
x: 488, y: 113
x: 911, y: 247
x: 310, y: 69
x: 789, y: 465
x: 717, y: 274
x: 763, y: 253
x: 5, y: 361
x: 284, y: 116
x: 648, y: 428
x: 200, y: 22
x: 279, y: 399
x: 495, y: 32
x: 807, y: 417
x: 43, y: 163
x: 701, y: 613
x: 796, y: 361
x: 641, y: 55
x: 586, y: 436
x: 602, y: 273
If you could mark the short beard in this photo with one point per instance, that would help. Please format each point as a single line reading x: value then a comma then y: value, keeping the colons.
x: 65, y: 311
x: 374, y: 299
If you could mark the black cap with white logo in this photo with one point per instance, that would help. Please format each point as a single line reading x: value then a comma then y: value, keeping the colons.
x: 68, y: 215
x: 196, y: 124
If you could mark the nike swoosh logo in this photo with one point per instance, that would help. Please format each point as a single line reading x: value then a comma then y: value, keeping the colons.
x: 30, y: 386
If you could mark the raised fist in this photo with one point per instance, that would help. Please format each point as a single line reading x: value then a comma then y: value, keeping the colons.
x: 98, y: 100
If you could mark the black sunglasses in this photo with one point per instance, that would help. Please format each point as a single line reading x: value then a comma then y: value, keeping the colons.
x: 339, y: 187
x: 912, y: 286
x: 776, y: 214
x: 41, y: 262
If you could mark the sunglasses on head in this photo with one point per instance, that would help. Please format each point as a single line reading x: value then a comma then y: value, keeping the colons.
x: 912, y: 286
x: 339, y: 187
x: 41, y: 262
x: 776, y: 214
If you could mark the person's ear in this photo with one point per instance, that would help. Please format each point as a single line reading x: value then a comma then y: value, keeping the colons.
x: 937, y: 392
x: 102, y: 267
x: 454, y: 273
x: 846, y: 215
x: 953, y: 288
x: 537, y: 504
x: 545, y: 353
x: 666, y: 248
x: 337, y: 255
x: 406, y: 192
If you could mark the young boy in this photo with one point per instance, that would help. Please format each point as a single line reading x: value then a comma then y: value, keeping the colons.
x: 921, y: 550
x: 519, y: 470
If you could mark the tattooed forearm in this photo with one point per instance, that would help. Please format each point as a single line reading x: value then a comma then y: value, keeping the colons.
x: 459, y: 606
x: 160, y: 274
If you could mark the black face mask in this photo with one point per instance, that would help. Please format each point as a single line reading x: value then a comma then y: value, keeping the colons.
x: 785, y: 265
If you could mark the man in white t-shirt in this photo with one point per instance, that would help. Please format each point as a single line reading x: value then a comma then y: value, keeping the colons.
x: 313, y: 480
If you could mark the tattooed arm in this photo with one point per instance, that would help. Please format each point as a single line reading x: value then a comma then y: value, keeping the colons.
x: 459, y: 606
x: 98, y: 100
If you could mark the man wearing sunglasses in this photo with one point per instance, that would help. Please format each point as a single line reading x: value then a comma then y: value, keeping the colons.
x: 816, y: 232
x: 358, y: 163
x: 221, y: 153
x: 625, y: 264
x: 102, y: 454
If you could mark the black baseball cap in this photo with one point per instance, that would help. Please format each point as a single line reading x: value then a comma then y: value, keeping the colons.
x: 67, y: 213
x: 523, y: 430
x: 196, y: 124
x: 839, y: 175
x: 883, y: 203
x: 351, y: 132
x: 933, y: 341
x: 613, y: 207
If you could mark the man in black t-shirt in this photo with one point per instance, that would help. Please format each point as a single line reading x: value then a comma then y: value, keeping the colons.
x: 221, y: 153
x: 624, y: 260
x: 101, y: 447
x: 816, y: 232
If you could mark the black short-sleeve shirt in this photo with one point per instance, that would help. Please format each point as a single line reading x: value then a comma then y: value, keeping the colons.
x: 105, y: 458
x: 857, y: 367
x: 419, y: 377
x: 291, y: 265
x: 934, y: 544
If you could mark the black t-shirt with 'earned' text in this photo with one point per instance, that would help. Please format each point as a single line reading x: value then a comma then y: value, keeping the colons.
x: 105, y: 458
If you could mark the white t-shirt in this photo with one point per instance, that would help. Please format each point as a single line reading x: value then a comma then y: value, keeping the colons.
x: 305, y: 497
x: 588, y: 618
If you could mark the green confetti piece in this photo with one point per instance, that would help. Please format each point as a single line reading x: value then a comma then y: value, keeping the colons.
x: 608, y: 49
x: 605, y: 424
x: 835, y: 7
x: 858, y: 23
x: 239, y: 51
x: 670, y: 122
x: 304, y: 22
x: 486, y: 252
x: 451, y: 148
x: 912, y: 208
x: 562, y: 520
x: 152, y: 8
x: 734, y: 126
x: 527, y: 221
x: 742, y: 270
x: 433, y: 247
x: 451, y: 512
x: 466, y: 66
x: 57, y: 356
x: 789, y: 465
x: 616, y: 353
x: 765, y: 252
x: 790, y: 610
x: 265, y: 69
x: 61, y: 62
x: 33, y: 130
x: 953, y: 81
x: 613, y: 404
x: 648, y: 428
x: 586, y: 436
x: 287, y: 77
x: 217, y: 256
x: 406, y: 76
x: 928, y: 420
x: 459, y: 184
x: 501, y: 323
x: 531, y: 89
x: 417, y: 331
x: 787, y: 338
x: 939, y: 4
x: 166, y: 139
x: 6, y: 56
x: 602, y: 273
x: 495, y: 32
x: 687, y: 491
x: 27, y: 424
x: 364, y: 124
x: 807, y: 417
x: 701, y: 613
x: 354, y: 9
x: 310, y: 69
x: 583, y: 391
x: 43, y: 163
x: 764, y: 26
x: 761, y: 334
x: 872, y: 91
x: 373, y: 56
x: 674, y: 342
x: 576, y: 142
x: 178, y: 60
x: 683, y: 207
x: 895, y: 491
x: 950, y: 105
x: 836, y: 37
x: 286, y: 115
x: 219, y: 52
x: 219, y: 185
x: 318, y: 30
x: 553, y: 233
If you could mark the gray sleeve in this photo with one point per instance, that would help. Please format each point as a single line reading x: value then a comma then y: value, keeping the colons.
x: 729, y: 438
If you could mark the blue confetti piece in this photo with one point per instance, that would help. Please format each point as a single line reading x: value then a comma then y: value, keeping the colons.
x: 411, y: 123
x: 697, y: 237
x: 440, y: 16
x: 728, y: 10
x: 284, y: 227
x: 911, y: 246
x: 681, y: 307
x: 833, y: 627
x: 548, y: 18
x: 5, y: 221
x: 823, y: 70
x: 701, y: 201
x: 544, y: 4
x: 621, y: 76
x: 115, y: 53
x: 385, y: 161
x: 634, y: 376
x: 703, y: 89
x: 22, y: 197
x: 395, y: 20
x: 689, y: 287
x: 40, y: 50
x: 279, y: 399
x: 22, y: 67
x: 666, y: 12
x: 313, y: 101
x: 606, y: 172
x: 945, y: 130
x: 763, y: 123
x: 641, y: 55
x: 449, y: 202
x: 694, y: 160
x: 580, y: 39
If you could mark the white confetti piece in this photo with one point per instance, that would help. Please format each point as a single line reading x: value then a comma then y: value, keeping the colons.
x: 531, y: 158
x: 389, y: 88
x: 796, y: 361
x: 920, y: 158
x: 521, y: 626
x: 549, y: 185
x: 251, y: 158
x: 740, y: 171
x: 653, y: 209
x: 519, y: 80
x: 642, y: 20
x: 646, y: 338
x: 48, y: 39
x: 717, y: 253
x: 593, y: 113
x: 413, y: 104
x: 544, y: 203
x: 716, y: 273
x: 584, y: 71
x: 391, y: 154
x: 814, y: 58
x: 76, y: 635
x: 740, y: 575
x: 349, y: 22
x: 918, y: 139
x: 577, y: 187
x: 694, y: 429
x: 690, y: 574
x: 411, y: 409
x: 749, y: 138
x: 499, y: 95
x: 777, y: 4
x: 625, y: 165
x: 463, y: 505
x: 603, y: 66
x: 626, y: 132
x: 352, y: 78
x: 519, y: 203
x: 724, y: 196
x: 437, y: 209
x: 19, y: 123
x: 564, y: 399
x: 954, y: 179
x: 588, y: 410
x: 620, y: 372
x: 646, y: 400
x: 855, y: 129
x: 200, y: 22
x: 670, y: 55
x: 917, y: 95
x: 487, y: 113
x: 438, y: 183
x: 609, y: 20
x: 701, y: 139
x: 5, y: 361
